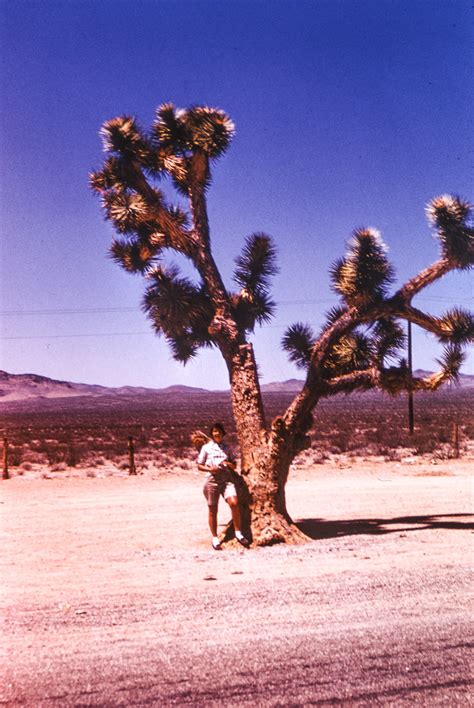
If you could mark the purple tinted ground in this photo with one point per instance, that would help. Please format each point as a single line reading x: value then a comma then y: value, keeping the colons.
x: 108, y: 602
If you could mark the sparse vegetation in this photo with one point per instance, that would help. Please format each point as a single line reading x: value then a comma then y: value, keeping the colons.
x: 356, y: 426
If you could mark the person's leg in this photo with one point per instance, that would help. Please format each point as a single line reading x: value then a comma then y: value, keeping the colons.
x: 211, y: 492
x: 213, y: 520
x: 233, y: 502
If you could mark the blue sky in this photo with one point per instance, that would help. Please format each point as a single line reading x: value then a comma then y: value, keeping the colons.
x: 348, y: 113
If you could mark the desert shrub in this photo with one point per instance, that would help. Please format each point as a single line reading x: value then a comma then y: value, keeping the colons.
x: 56, y: 452
x: 98, y: 461
x: 33, y: 457
x: 424, y: 445
x: 15, y: 455
x: 83, y: 432
x: 341, y: 440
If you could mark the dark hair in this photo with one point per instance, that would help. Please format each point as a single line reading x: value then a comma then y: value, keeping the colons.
x: 217, y: 426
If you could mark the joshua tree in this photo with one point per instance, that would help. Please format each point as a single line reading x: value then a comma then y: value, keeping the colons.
x: 358, y: 346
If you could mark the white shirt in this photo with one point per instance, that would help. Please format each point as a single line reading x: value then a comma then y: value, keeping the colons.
x: 213, y: 454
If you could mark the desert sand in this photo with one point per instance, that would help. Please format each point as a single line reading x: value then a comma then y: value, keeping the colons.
x: 112, y: 596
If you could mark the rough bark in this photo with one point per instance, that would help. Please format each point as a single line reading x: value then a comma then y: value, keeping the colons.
x: 270, y: 520
x: 265, y: 518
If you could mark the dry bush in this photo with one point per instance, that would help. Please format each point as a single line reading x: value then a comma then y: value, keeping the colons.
x: 90, y: 431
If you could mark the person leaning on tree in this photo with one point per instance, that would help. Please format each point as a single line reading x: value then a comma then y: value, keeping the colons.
x: 216, y: 459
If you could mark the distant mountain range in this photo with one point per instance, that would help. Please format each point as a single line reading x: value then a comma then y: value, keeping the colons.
x: 24, y: 387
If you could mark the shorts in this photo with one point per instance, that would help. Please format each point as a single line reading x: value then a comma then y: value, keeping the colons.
x: 216, y: 486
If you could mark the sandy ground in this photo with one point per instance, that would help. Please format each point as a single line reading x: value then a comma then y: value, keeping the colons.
x: 111, y: 595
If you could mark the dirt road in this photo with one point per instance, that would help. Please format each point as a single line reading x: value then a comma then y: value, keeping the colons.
x: 112, y: 596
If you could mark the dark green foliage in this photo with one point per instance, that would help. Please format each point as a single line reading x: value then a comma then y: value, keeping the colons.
x: 334, y: 314
x: 180, y: 309
x: 450, y: 214
x: 363, y: 276
x: 388, y: 338
x: 395, y: 379
x: 298, y: 341
x: 198, y: 128
x: 116, y: 173
x: 250, y: 309
x: 123, y: 138
x: 451, y: 361
x: 254, y: 268
x: 458, y: 325
x: 256, y: 264
x: 352, y: 352
x: 168, y: 130
x: 127, y: 210
x: 133, y: 256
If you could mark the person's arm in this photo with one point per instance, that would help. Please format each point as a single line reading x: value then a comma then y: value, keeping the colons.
x: 202, y: 459
x: 205, y: 468
x: 230, y: 462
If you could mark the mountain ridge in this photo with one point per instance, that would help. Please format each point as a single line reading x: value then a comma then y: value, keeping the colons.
x: 24, y: 387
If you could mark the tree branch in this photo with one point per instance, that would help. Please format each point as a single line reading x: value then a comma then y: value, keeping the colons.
x: 392, y: 380
x: 304, y: 402
x: 415, y: 316
x: 425, y: 277
x: 358, y: 380
x: 396, y: 306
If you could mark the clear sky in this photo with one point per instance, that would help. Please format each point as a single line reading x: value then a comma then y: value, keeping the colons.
x: 348, y: 112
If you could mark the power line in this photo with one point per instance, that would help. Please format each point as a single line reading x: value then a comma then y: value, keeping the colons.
x: 100, y: 310
x: 82, y: 311
x: 67, y: 336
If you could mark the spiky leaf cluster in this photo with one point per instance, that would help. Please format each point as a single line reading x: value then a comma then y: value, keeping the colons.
x: 352, y: 352
x: 334, y: 314
x: 201, y: 128
x: 457, y: 326
x: 362, y: 277
x: 134, y: 256
x: 123, y: 137
x: 451, y: 361
x: 116, y: 173
x: 128, y: 211
x: 180, y: 309
x: 396, y: 378
x: 254, y: 268
x: 450, y: 217
x: 388, y: 338
x: 297, y: 342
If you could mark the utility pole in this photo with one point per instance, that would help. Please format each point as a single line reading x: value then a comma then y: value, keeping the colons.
x: 131, y: 456
x: 411, y: 413
x: 5, y: 474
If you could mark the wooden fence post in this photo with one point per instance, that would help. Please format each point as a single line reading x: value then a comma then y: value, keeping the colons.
x: 5, y: 459
x: 131, y: 456
x: 411, y: 412
x: 456, y: 440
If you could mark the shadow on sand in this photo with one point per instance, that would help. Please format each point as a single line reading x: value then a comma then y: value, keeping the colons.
x: 322, y: 528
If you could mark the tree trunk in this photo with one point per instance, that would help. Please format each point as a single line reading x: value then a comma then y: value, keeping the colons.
x: 247, y: 404
x: 262, y: 499
x: 263, y: 504
x: 265, y: 458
